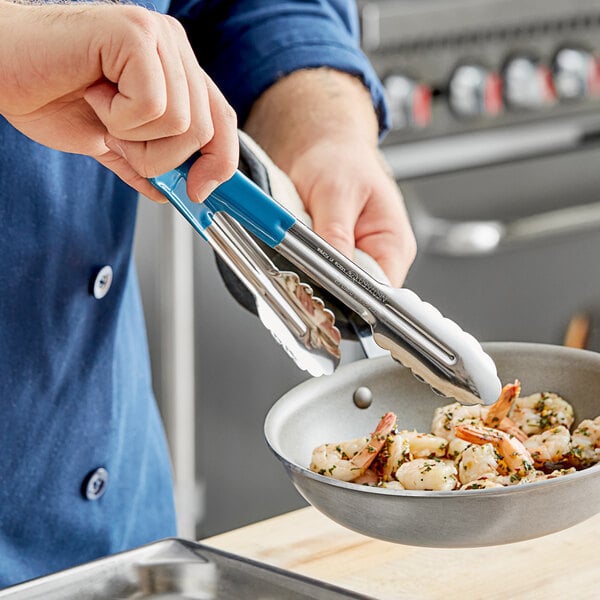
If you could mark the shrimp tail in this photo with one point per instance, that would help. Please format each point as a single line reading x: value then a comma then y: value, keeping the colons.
x: 509, y: 426
x: 515, y: 455
x: 500, y: 409
x: 367, y: 454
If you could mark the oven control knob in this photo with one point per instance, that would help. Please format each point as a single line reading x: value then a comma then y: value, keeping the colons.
x: 474, y: 90
x: 409, y: 102
x: 576, y: 74
x: 528, y: 84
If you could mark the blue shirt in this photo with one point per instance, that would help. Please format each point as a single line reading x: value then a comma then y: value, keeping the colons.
x: 84, y: 467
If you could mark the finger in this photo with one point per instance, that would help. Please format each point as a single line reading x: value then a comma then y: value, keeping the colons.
x: 334, y: 207
x: 384, y: 232
x: 176, y: 118
x: 118, y: 165
x: 156, y: 157
x: 150, y: 159
x: 220, y: 156
x: 208, y: 106
x: 173, y: 117
x: 139, y: 95
x: 393, y: 258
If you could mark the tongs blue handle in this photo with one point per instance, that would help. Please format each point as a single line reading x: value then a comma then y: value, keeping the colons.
x: 239, y: 196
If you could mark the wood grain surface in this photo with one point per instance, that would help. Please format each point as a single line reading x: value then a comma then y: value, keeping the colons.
x: 563, y: 565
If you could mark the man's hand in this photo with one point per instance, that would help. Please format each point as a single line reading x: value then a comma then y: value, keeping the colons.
x: 320, y: 127
x: 118, y: 83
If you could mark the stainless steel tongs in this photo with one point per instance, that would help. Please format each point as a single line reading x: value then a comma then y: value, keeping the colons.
x: 435, y: 348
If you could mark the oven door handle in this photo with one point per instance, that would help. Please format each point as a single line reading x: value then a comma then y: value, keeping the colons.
x: 447, y: 237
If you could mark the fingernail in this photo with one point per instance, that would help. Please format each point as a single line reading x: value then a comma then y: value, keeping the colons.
x: 208, y: 188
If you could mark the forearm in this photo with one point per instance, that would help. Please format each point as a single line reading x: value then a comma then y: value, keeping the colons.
x: 309, y: 105
x: 247, y: 47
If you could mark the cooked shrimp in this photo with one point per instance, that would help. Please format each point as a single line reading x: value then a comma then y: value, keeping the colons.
x: 425, y: 445
x: 446, y: 418
x: 509, y: 426
x: 348, y: 460
x: 514, y: 455
x: 477, y: 461
x: 585, y: 443
x: 488, y: 480
x: 515, y: 440
x: 552, y: 445
x: 395, y: 451
x: 455, y: 448
x: 407, y: 445
x: 369, y: 477
x: 392, y: 485
x: 538, y: 412
x: 427, y: 474
x: 330, y: 458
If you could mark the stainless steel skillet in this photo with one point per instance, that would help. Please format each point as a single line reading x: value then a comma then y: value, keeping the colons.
x: 324, y: 410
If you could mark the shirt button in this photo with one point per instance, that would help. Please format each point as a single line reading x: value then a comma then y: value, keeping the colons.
x: 102, y: 282
x: 95, y: 483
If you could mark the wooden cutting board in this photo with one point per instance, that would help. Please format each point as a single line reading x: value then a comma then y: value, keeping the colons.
x: 563, y: 565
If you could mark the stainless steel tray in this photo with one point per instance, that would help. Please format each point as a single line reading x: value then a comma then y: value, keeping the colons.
x: 175, y: 569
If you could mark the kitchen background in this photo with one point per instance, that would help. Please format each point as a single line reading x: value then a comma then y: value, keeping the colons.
x: 495, y: 105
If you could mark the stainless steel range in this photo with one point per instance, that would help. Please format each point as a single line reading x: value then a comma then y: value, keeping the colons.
x: 496, y: 117
x: 458, y: 66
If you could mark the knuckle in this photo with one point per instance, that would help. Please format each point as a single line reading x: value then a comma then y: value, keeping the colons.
x: 153, y: 107
x: 229, y: 116
x: 179, y: 123
x: 143, y: 24
x: 175, y: 24
x: 205, y: 131
x: 337, y: 233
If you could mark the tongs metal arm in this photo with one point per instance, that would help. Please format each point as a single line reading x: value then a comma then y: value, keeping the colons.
x: 249, y: 263
x: 370, y: 299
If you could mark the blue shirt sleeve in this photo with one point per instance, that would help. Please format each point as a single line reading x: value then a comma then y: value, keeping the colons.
x: 247, y: 45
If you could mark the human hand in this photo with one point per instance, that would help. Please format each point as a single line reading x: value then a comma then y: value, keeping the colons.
x: 319, y: 126
x: 353, y: 202
x: 118, y: 83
